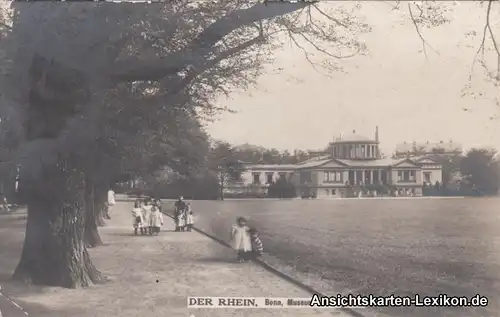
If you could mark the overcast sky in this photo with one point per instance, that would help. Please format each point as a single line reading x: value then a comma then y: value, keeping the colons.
x: 395, y: 87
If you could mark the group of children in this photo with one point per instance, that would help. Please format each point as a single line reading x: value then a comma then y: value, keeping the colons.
x: 147, y: 217
x: 246, y: 241
x: 183, y: 215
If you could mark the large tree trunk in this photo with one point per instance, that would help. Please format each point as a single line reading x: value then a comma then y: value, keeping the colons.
x: 92, y: 237
x: 100, y: 215
x: 100, y: 203
x: 54, y: 251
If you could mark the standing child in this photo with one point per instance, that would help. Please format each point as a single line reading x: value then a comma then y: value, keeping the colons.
x: 240, y: 239
x: 146, y: 214
x: 138, y: 219
x: 155, y: 220
x: 189, y: 217
x: 182, y: 219
x: 257, y: 246
x: 179, y: 207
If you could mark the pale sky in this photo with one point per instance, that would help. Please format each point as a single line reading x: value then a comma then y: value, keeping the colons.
x: 395, y: 87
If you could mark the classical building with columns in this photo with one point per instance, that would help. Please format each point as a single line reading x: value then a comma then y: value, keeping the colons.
x: 354, y: 167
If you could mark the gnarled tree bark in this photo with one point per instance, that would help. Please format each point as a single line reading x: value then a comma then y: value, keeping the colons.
x: 54, y: 251
x: 91, y: 237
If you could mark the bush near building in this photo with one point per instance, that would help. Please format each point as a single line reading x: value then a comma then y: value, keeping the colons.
x: 281, y: 189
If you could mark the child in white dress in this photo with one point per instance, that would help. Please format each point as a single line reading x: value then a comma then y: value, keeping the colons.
x: 155, y: 220
x: 181, y: 220
x: 240, y: 239
x: 146, y: 214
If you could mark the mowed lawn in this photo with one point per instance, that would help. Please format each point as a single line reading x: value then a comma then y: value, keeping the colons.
x: 381, y: 247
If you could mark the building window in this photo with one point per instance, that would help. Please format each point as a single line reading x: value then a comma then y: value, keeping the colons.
x: 282, y: 175
x: 327, y: 192
x: 368, y: 151
x: 407, y: 176
x: 305, y: 177
x: 333, y: 177
x: 256, y: 178
x: 333, y: 192
x: 367, y: 176
x: 269, y: 178
x: 383, y: 177
x: 413, y: 176
x: 427, y: 177
x: 362, y: 151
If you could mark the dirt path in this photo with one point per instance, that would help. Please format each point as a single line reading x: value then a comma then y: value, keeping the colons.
x: 152, y: 276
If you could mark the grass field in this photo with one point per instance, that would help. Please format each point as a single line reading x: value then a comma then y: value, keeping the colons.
x: 380, y: 247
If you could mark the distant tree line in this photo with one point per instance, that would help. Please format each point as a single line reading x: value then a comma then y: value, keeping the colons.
x: 477, y: 173
x: 224, y: 164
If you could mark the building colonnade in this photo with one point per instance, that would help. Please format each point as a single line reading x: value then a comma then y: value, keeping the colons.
x: 356, y: 151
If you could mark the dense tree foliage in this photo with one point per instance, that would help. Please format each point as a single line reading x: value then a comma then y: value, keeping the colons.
x: 477, y: 172
x: 94, y: 90
x: 480, y: 170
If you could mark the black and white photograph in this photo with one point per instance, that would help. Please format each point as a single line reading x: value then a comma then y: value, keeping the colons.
x: 210, y: 158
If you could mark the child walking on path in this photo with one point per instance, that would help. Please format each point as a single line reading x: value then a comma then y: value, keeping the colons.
x: 257, y: 246
x: 240, y: 239
x: 179, y: 208
x: 155, y: 220
x: 138, y: 219
x: 181, y: 219
x: 189, y: 217
x: 146, y: 214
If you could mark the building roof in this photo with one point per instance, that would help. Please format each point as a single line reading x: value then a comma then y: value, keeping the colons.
x: 354, y: 138
x: 314, y: 163
x: 315, y: 159
x: 273, y: 167
x: 428, y: 147
x: 375, y: 163
x: 385, y: 162
x: 318, y: 162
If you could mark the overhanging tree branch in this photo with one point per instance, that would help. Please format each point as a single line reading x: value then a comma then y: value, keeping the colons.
x: 134, y: 70
x: 196, y: 71
x: 199, y: 69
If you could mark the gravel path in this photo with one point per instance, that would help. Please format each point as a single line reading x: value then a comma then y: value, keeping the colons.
x: 152, y: 276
